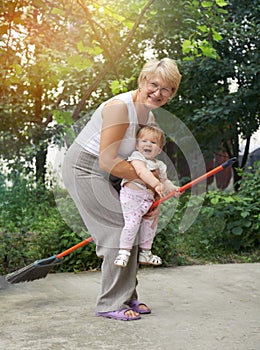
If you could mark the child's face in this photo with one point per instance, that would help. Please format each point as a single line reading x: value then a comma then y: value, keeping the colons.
x: 148, y: 145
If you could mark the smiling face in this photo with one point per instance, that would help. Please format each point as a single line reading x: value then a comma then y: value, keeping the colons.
x: 148, y: 144
x: 158, y: 81
x: 154, y: 92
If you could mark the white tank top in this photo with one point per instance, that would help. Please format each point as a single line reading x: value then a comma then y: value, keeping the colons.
x: 89, y: 137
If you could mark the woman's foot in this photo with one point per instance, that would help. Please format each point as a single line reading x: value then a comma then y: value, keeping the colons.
x: 132, y: 313
x: 143, y: 308
x: 139, y: 307
x: 122, y: 315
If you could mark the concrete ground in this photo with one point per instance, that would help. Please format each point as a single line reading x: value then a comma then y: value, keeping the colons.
x: 210, y: 307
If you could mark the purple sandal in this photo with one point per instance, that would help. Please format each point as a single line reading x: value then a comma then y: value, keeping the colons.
x: 119, y: 315
x: 134, y: 304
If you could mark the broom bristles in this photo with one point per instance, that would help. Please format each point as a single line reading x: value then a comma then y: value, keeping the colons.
x: 31, y: 273
x: 37, y: 270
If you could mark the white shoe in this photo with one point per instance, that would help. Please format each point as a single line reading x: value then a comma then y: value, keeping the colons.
x: 122, y: 258
x: 146, y: 257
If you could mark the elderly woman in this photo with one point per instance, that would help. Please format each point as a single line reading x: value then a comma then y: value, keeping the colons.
x: 93, y: 169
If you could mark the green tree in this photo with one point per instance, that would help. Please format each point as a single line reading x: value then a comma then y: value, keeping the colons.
x: 60, y: 58
x: 218, y: 98
x: 55, y: 56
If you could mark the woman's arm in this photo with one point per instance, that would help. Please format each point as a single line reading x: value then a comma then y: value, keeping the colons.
x: 114, y: 126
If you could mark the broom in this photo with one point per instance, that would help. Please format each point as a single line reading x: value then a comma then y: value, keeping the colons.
x: 195, y: 181
x: 40, y: 268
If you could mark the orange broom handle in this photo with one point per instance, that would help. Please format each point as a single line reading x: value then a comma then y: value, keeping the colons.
x: 156, y: 203
x: 77, y: 246
x: 195, y: 181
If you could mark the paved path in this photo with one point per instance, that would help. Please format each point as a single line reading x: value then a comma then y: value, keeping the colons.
x: 211, y: 307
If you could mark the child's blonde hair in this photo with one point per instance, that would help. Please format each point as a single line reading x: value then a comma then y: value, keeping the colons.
x: 152, y: 129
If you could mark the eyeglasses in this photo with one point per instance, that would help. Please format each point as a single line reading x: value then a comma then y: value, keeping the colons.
x: 152, y: 87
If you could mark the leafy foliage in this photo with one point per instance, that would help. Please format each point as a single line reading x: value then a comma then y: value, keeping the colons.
x: 201, y: 42
x: 49, y: 53
x: 228, y: 222
x: 218, y: 98
x: 61, y: 58
x: 32, y: 228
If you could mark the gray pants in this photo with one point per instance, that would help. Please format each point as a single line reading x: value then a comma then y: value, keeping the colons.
x: 96, y: 197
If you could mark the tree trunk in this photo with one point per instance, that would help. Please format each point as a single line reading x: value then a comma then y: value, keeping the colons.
x: 40, y: 164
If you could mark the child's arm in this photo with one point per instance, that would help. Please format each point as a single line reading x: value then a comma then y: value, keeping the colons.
x: 169, y: 187
x: 147, y: 176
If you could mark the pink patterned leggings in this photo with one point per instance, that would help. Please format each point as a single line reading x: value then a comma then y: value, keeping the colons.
x: 135, y: 204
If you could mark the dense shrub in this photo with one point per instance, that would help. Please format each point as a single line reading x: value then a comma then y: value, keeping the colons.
x: 228, y: 222
x: 32, y: 227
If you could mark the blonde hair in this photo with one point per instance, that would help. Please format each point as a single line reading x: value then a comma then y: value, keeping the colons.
x: 168, y: 70
x: 152, y: 129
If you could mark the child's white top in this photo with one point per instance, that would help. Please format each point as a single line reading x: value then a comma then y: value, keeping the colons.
x: 155, y: 164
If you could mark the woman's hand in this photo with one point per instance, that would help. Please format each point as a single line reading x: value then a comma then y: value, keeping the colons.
x: 153, y: 215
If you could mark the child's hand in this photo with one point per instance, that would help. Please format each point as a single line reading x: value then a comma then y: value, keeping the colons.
x: 177, y: 191
x: 160, y: 189
x: 170, y: 187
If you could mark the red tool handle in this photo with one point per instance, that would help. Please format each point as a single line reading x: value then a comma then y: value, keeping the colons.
x: 156, y: 203
x: 77, y: 246
x: 195, y: 181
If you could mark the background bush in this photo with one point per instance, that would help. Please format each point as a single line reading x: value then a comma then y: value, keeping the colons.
x: 226, y: 229
x: 32, y: 228
x: 228, y: 223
